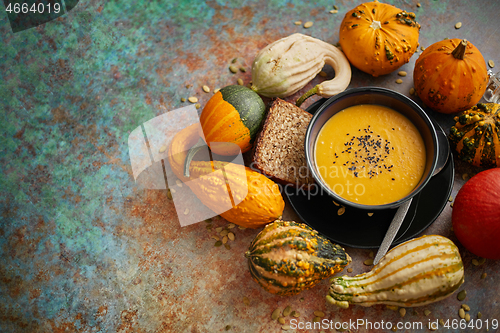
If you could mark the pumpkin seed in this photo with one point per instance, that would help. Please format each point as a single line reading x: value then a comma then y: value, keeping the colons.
x: 209, y: 227
x: 241, y: 228
x: 392, y: 307
x: 209, y: 220
x: 370, y: 214
x: 320, y: 314
x: 224, y: 240
x: 427, y: 312
x: 422, y: 48
x: 295, y: 314
x: 215, y: 237
x: 243, y: 69
x: 323, y: 74
x: 479, y: 315
x: 465, y: 307
x: 371, y: 254
x: 368, y: 262
x: 433, y: 326
x: 234, y: 60
x: 240, y: 82
x: 483, y: 276
x: 394, y: 329
x: 481, y: 261
x: 233, y: 69
x: 206, y: 89
x: 285, y: 327
x: 491, y: 63
x: 183, y: 99
x: 316, y: 319
x: 461, y: 295
x: 402, y: 73
x: 458, y: 25
x: 246, y: 301
x: 336, y: 204
x: 475, y: 262
x: 227, y: 246
x: 193, y: 99
x: 230, y: 236
x: 399, y: 81
x: 467, y: 317
x: 297, y: 22
x: 186, y: 211
x: 450, y: 199
x: 441, y: 322
x: 308, y: 24
x: 402, y: 312
x: 218, y: 229
x: 349, y: 270
x: 418, y: 4
x: 224, y: 232
x: 276, y: 314
x: 197, y: 105
x: 465, y: 176
x: 412, y: 91
x: 189, y: 86
x: 228, y: 327
x: 341, y: 210
x: 287, y: 311
x: 218, y: 243
x: 281, y: 320
x: 335, y: 7
x: 172, y: 190
x: 334, y: 11
x: 231, y: 225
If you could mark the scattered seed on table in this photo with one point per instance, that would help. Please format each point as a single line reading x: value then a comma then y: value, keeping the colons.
x: 308, y: 24
x: 427, y: 312
x: 209, y: 227
x: 297, y: 22
x: 224, y: 239
x: 183, y: 99
x: 234, y: 60
x: 412, y: 91
x: 218, y: 243
x: 341, y: 210
x: 209, y: 220
x: 197, y: 105
x: 287, y: 311
x: 481, y: 261
x: 422, y: 48
x: 189, y: 86
x: 206, y: 89
x: 240, y: 82
x: 335, y: 7
x: 243, y: 69
x: 233, y: 69
x: 371, y: 254
x: 334, y: 11
x: 276, y: 314
x: 433, y: 326
x: 215, y: 237
x: 394, y: 329
x: 285, y: 327
x: 458, y: 25
x: 227, y: 246
x: 402, y: 73
x: 231, y: 225
x: 467, y: 317
x: 320, y: 314
x: 465, y: 307
x: 172, y: 190
x: 193, y: 99
x: 461, y: 295
x: 450, y: 199
x: 163, y: 148
x: 399, y: 81
x: 349, y: 270
x: 230, y: 236
x: 479, y: 315
x: 402, y: 312
x: 475, y: 262
x: 218, y: 229
x: 295, y: 314
x: 228, y: 327
x: 491, y: 63
x: 441, y: 322
x: 418, y: 4
x: 465, y: 176
x: 316, y: 319
x: 336, y: 204
x: 323, y: 74
x: 224, y: 232
x: 370, y: 214
x: 246, y: 301
x: 281, y: 320
x: 483, y: 276
x: 368, y: 262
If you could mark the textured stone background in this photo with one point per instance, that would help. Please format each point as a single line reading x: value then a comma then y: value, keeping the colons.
x: 84, y: 249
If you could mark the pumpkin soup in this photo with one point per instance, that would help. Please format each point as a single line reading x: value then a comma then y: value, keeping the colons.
x: 370, y: 154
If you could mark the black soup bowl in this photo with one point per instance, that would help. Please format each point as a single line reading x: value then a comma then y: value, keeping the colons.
x: 384, y: 97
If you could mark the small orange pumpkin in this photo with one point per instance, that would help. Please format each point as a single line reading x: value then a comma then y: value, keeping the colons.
x: 231, y: 119
x: 378, y: 38
x: 450, y: 76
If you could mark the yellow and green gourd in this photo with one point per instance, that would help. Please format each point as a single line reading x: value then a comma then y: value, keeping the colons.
x: 287, y: 257
x: 418, y: 272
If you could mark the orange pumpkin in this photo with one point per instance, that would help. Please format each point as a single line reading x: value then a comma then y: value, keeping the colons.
x: 231, y: 119
x: 378, y: 38
x: 450, y: 76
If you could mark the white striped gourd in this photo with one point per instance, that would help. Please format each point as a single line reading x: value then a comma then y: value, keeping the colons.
x: 287, y: 257
x: 418, y: 272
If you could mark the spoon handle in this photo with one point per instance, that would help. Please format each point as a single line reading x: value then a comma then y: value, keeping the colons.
x: 392, y: 231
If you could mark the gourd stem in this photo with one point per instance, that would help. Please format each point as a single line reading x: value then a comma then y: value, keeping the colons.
x: 459, y: 51
x: 308, y: 94
x: 191, y: 152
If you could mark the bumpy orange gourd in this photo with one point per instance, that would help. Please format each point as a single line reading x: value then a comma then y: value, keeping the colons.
x: 450, y: 76
x: 261, y: 200
x: 378, y: 38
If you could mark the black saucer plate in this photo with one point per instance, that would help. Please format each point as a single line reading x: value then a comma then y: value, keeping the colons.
x: 355, y: 228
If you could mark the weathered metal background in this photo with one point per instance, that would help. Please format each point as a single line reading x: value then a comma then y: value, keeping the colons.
x: 83, y: 248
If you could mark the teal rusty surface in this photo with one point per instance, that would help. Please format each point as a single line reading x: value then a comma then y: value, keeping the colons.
x: 84, y: 248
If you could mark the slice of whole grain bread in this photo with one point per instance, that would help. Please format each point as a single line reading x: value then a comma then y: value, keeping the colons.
x: 279, y: 149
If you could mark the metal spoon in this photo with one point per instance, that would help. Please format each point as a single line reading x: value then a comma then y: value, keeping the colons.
x: 443, y: 154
